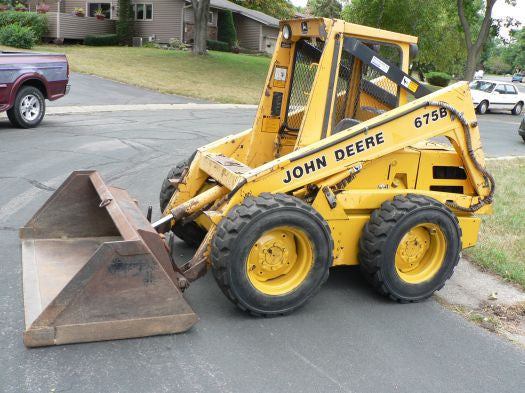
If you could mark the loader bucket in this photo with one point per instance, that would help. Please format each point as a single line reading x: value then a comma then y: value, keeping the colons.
x: 95, y: 269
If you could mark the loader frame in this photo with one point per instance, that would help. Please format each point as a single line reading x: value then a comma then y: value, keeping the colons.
x: 254, y: 161
x: 335, y: 138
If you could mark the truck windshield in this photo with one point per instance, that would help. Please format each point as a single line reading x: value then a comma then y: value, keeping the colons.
x: 487, y: 87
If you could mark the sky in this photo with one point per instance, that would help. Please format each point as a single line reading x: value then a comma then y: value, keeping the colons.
x: 501, y: 9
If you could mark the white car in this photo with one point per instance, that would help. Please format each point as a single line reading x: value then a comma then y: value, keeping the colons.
x: 488, y: 95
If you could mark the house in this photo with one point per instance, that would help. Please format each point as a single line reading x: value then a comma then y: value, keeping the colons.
x: 159, y: 20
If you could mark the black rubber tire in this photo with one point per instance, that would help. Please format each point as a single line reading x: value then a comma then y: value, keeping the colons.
x: 483, y: 107
x: 240, y: 229
x: 384, y: 231
x: 14, y: 114
x: 523, y: 137
x: 516, y: 111
x: 190, y: 232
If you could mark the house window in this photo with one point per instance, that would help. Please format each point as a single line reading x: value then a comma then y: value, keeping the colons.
x: 210, y: 17
x: 105, y: 7
x: 143, y: 11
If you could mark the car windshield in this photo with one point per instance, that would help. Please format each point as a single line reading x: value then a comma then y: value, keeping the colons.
x: 483, y: 86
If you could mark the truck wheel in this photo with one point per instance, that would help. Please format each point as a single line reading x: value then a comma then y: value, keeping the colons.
x: 410, y: 247
x: 29, y: 108
x: 190, y: 232
x: 271, y: 254
x: 483, y: 107
x: 517, y: 109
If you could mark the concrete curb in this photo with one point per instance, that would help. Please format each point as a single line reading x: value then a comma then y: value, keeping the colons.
x: 65, y: 110
x: 503, y: 158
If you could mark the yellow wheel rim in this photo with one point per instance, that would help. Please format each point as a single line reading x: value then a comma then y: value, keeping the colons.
x: 420, y: 253
x: 280, y: 260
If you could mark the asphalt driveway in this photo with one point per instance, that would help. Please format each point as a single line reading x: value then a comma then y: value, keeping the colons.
x: 93, y: 90
x: 347, y: 339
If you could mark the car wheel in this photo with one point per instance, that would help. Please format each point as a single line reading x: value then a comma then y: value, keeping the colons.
x: 517, y: 109
x: 29, y: 108
x: 483, y: 107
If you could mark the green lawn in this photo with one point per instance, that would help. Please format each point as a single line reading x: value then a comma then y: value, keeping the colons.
x: 220, y: 76
x: 501, y: 247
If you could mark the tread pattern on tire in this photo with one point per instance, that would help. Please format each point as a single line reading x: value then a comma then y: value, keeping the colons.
x: 190, y: 232
x: 234, y: 222
x: 167, y: 189
x: 375, y: 233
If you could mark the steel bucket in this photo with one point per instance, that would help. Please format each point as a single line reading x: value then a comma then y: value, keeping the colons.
x: 95, y: 269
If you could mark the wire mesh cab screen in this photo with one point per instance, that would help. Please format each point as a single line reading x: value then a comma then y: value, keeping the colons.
x: 307, y: 56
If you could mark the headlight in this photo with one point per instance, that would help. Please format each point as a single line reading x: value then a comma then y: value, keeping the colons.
x: 287, y: 32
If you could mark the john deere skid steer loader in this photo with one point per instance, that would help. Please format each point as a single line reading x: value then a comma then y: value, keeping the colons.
x: 341, y: 167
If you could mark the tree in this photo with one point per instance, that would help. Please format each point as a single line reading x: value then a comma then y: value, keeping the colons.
x: 125, y: 21
x: 226, y: 28
x: 474, y: 48
x: 201, y: 9
x: 436, y: 26
x: 325, y: 8
x: 280, y: 9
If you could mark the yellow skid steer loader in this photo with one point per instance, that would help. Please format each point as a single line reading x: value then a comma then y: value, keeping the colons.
x: 341, y: 167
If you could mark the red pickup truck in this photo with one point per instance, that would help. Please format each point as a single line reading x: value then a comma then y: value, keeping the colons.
x: 27, y: 79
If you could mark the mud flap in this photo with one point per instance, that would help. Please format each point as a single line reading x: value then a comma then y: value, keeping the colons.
x: 95, y: 269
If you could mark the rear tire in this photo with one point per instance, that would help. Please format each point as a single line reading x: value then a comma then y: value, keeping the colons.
x: 483, y: 107
x: 410, y: 247
x: 190, y: 232
x: 517, y: 109
x: 271, y: 254
x: 28, y: 109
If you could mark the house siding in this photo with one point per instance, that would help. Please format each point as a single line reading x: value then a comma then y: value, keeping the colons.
x: 166, y: 23
x: 249, y: 32
x: 74, y: 27
x: 189, y: 25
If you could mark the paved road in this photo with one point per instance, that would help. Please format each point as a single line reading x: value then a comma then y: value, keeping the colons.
x: 346, y: 339
x: 93, y: 90
x: 499, y: 135
x: 520, y: 86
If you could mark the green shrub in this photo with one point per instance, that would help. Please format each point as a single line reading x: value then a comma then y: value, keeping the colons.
x: 125, y: 22
x: 101, y: 40
x: 217, y: 45
x: 226, y: 28
x: 17, y: 36
x: 438, y: 78
x: 36, y: 22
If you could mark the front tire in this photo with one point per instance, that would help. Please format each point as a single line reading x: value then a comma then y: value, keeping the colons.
x: 29, y: 108
x: 410, y: 247
x: 483, y: 107
x: 517, y: 109
x: 190, y: 232
x: 271, y: 254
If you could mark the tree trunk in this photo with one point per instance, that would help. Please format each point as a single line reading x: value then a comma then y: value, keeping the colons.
x: 474, y: 48
x: 470, y: 67
x: 200, y: 13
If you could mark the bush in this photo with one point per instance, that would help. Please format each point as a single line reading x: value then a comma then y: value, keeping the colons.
x: 226, y: 28
x: 438, y: 78
x: 36, y: 22
x: 217, y: 45
x: 17, y: 36
x: 101, y: 40
x: 125, y: 21
x: 175, y: 43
